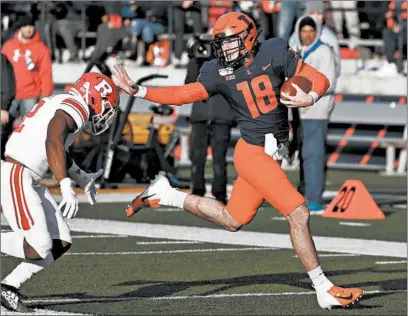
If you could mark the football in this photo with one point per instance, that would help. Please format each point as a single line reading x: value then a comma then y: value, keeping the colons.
x: 303, y: 83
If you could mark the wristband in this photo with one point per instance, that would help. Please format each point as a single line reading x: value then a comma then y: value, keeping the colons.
x: 314, y: 95
x: 141, y: 92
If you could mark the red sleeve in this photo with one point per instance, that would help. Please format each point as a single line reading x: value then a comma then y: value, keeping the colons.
x: 47, y: 84
x: 6, y: 49
x: 175, y: 95
x: 320, y: 83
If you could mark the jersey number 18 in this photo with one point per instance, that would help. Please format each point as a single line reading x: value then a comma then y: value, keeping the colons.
x: 258, y: 95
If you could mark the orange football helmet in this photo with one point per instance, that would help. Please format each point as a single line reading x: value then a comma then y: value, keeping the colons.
x: 102, y: 97
x: 234, y: 39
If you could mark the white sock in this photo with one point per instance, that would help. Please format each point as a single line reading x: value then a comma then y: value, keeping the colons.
x: 25, y: 270
x: 12, y: 244
x: 320, y: 281
x: 177, y: 198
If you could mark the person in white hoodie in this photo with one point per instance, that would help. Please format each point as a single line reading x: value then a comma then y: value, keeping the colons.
x: 327, y: 36
x: 314, y: 119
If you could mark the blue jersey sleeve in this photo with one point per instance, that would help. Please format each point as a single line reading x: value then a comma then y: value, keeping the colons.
x: 207, y: 78
x: 284, y: 58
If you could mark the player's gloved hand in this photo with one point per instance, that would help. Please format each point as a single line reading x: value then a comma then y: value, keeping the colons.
x: 301, y: 99
x: 69, y: 199
x: 85, y: 181
x: 122, y: 79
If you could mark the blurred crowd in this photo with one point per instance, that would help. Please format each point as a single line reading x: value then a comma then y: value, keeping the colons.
x: 154, y: 32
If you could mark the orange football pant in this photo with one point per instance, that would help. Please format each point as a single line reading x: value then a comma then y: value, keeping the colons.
x: 260, y: 178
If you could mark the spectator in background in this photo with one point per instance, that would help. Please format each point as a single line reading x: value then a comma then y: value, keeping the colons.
x: 181, y: 9
x: 269, y: 18
x: 49, y: 13
x: 396, y: 29
x: 247, y: 7
x: 288, y: 12
x: 314, y: 119
x: 109, y: 37
x: 149, y: 23
x: 217, y: 8
x: 8, y: 93
x: 211, y: 124
x: 316, y: 9
x: 12, y: 14
x: 69, y: 27
x: 31, y: 60
x: 348, y: 10
x: 131, y: 11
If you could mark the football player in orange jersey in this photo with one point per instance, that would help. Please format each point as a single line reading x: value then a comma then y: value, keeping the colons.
x: 249, y: 75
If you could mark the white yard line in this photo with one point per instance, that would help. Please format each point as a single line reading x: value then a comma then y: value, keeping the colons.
x: 186, y: 297
x: 276, y: 218
x: 176, y: 242
x: 355, y: 224
x: 243, y: 238
x: 98, y: 236
x: 335, y: 255
x: 167, y: 209
x: 123, y: 197
x: 159, y: 252
x: 391, y: 262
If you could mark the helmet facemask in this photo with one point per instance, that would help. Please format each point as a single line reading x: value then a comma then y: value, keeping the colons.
x: 101, y: 122
x: 230, y: 50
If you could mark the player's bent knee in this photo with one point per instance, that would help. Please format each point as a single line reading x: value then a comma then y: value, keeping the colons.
x: 230, y: 223
x: 38, y: 250
x: 299, y: 216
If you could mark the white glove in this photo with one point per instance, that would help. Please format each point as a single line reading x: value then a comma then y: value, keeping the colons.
x: 85, y: 181
x: 69, y: 199
x: 272, y: 149
x: 271, y: 144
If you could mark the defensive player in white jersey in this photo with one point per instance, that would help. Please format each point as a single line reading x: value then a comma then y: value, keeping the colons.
x: 40, y: 234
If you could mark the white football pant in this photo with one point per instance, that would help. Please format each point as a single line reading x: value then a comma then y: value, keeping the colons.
x: 30, y: 208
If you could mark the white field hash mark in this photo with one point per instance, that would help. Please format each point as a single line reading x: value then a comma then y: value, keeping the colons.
x: 186, y: 297
x: 159, y: 252
x: 175, y: 242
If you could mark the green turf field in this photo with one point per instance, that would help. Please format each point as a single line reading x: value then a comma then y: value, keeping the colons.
x: 121, y: 266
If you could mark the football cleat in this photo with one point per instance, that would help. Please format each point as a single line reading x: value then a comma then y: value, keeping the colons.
x: 156, y: 194
x: 338, y: 296
x: 11, y: 299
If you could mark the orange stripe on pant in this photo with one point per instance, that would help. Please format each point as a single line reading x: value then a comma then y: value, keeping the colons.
x: 260, y: 178
x: 13, y: 169
x: 24, y: 199
x: 18, y: 187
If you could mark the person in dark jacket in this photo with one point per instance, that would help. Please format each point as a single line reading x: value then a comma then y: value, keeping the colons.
x: 211, y: 124
x: 8, y: 93
x: 69, y: 26
x: 181, y: 9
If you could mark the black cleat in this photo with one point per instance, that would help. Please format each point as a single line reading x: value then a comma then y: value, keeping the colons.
x: 11, y: 299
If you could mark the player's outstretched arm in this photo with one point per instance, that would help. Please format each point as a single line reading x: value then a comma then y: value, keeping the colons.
x: 175, y: 95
